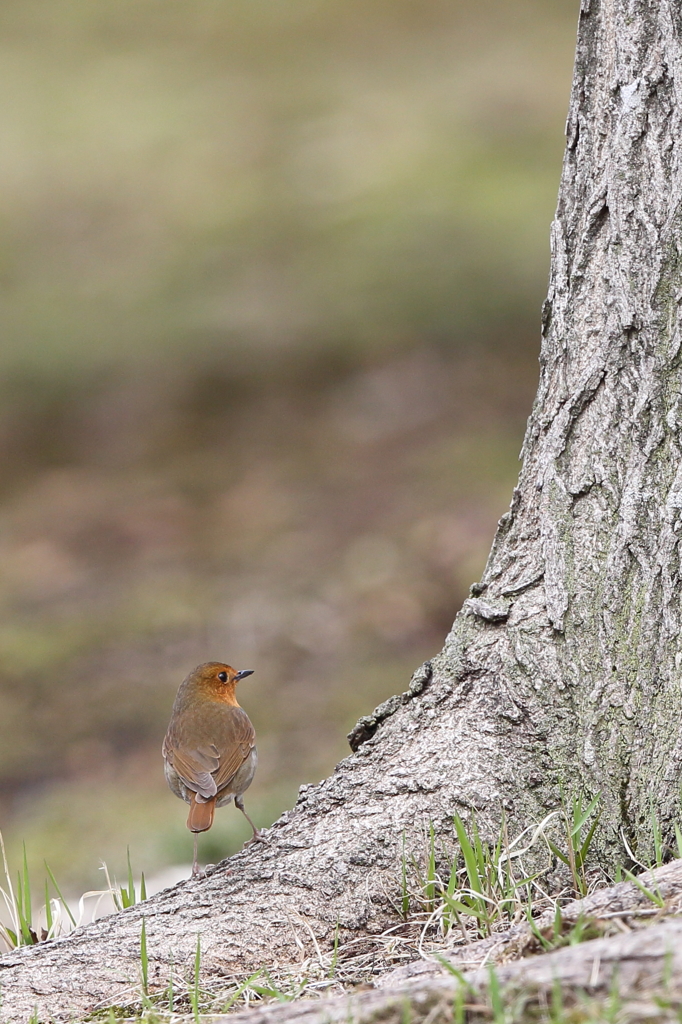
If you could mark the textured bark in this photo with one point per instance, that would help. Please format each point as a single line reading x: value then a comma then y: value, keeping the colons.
x: 639, y: 963
x: 624, y: 901
x: 563, y: 669
x: 642, y: 965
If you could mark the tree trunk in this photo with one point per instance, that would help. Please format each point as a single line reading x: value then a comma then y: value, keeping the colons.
x: 562, y: 671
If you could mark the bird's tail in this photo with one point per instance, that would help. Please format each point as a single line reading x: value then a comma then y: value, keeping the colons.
x: 200, y: 817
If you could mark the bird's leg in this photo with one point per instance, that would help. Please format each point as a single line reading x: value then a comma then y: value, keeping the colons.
x: 196, y: 870
x: 256, y: 837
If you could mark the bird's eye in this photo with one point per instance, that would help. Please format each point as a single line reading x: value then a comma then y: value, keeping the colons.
x: 222, y: 676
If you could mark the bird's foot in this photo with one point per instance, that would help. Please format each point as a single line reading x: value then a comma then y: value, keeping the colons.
x: 257, y: 837
x: 198, y: 872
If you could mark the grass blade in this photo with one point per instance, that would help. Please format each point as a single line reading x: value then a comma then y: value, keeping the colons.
x: 657, y: 837
x: 144, y: 961
x: 405, y: 896
x: 335, y: 953
x: 470, y: 862
x: 48, y: 910
x: 678, y: 840
x: 131, y: 883
x: 59, y: 894
x: 451, y: 969
x: 557, y: 852
x: 240, y: 989
x: 585, y: 848
x: 496, y: 1001
x: 655, y: 897
x: 545, y: 943
x: 430, y: 889
x: 194, y: 991
x: 27, y: 890
x: 580, y: 816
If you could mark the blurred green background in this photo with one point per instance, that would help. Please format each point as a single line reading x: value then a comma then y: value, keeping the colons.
x: 270, y: 279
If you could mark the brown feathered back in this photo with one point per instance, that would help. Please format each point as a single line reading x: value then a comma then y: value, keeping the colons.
x: 209, y: 738
x: 209, y: 749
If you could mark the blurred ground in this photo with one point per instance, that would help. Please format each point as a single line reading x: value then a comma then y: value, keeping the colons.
x: 270, y: 278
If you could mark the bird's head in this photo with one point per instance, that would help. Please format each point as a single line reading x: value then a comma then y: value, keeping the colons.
x: 217, y: 680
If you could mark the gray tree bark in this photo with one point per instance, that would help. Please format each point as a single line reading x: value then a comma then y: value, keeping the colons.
x: 644, y: 964
x: 645, y: 967
x: 563, y: 669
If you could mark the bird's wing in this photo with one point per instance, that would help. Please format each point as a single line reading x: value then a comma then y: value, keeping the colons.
x: 207, y: 768
x: 236, y: 743
x: 195, y: 767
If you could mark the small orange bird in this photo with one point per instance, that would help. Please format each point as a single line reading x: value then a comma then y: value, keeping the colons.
x: 209, y: 751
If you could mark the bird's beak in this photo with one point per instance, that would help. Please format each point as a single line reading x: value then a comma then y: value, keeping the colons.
x: 243, y: 674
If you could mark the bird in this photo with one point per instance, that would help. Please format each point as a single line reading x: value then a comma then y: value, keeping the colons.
x: 209, y: 750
